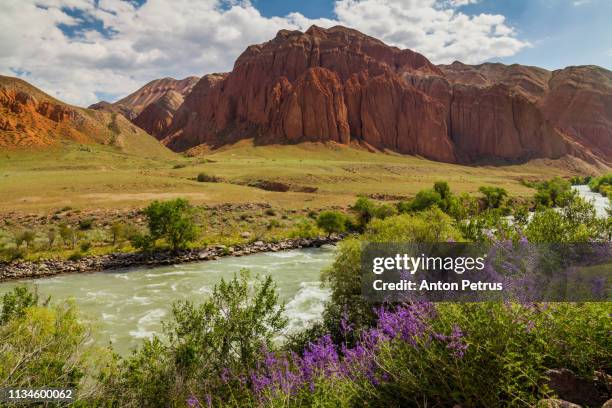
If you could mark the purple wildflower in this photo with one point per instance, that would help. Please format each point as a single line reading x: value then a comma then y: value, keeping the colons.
x: 193, y: 402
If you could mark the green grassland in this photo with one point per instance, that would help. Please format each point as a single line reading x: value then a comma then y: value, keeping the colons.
x: 102, y: 177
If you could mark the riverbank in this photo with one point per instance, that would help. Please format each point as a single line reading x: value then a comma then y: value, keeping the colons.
x: 45, y: 268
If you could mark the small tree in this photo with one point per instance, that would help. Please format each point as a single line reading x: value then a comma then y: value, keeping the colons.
x: 494, y: 196
x: 442, y: 188
x: 426, y: 199
x: 118, y: 230
x: 331, y: 222
x: 173, y: 221
x: 365, y: 210
x: 26, y: 236
x: 68, y: 234
x: 51, y: 235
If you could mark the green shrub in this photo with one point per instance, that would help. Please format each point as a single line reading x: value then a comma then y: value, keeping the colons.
x: 67, y: 234
x: 331, y: 222
x: 493, y: 196
x: 86, y: 224
x: 576, y: 222
x: 601, y: 184
x: 228, y: 331
x: 304, y: 228
x: 42, y: 346
x: 426, y: 199
x: 343, y: 276
x: 171, y: 220
x: 385, y: 210
x: 553, y: 193
x: 207, y: 178
x: 25, y: 236
x: 85, y: 246
x: 365, y: 211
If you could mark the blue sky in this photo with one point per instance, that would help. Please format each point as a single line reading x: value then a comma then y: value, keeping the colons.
x: 82, y: 51
x: 562, y: 32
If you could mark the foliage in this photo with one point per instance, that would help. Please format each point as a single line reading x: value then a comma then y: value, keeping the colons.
x: 228, y: 332
x: 426, y: 199
x: 493, y: 196
x: 40, y: 345
x: 171, y: 220
x: 553, y: 193
x: 67, y: 234
x: 365, y: 210
x: 207, y: 178
x: 331, y: 222
x: 304, y: 228
x: 602, y: 184
x: 577, y: 222
x: 86, y: 223
x: 26, y: 236
x: 343, y: 276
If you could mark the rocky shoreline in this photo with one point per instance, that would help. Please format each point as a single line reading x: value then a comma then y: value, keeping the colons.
x: 32, y: 270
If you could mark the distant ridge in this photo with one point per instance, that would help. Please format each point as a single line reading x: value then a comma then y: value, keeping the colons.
x: 29, y: 118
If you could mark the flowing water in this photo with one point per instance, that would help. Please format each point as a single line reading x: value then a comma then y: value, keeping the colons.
x: 130, y: 305
x: 600, y: 202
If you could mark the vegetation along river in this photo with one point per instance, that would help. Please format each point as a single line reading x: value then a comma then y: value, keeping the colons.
x: 130, y: 305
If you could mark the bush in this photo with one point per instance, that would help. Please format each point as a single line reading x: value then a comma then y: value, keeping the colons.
x: 171, y: 220
x: 553, y: 193
x: 577, y: 222
x: 365, y: 211
x: 331, y: 222
x: 384, y: 211
x: 86, y: 224
x: 343, y: 276
x: 304, y: 228
x: 26, y: 236
x: 42, y: 346
x: 207, y: 178
x: 226, y: 333
x: 601, y: 184
x: 426, y: 199
x: 493, y: 196
x: 67, y: 234
x: 85, y: 246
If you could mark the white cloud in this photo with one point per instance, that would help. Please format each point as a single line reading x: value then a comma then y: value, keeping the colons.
x: 193, y: 37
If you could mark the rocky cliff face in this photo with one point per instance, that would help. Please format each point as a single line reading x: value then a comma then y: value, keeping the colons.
x: 340, y: 85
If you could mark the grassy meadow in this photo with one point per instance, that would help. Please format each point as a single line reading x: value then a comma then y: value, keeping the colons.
x: 100, y: 177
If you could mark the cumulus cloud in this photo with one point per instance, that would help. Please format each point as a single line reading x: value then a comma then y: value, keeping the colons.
x: 79, y: 49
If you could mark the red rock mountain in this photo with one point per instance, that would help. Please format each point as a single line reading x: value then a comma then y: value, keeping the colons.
x: 152, y: 107
x: 29, y: 118
x: 340, y: 85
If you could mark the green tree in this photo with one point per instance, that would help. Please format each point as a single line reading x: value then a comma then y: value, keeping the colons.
x: 67, y: 234
x: 331, y: 222
x: 384, y: 211
x: 442, y: 188
x: 553, y: 193
x: 493, y: 196
x: 173, y: 221
x: 118, y: 231
x: 426, y: 199
x: 365, y: 210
